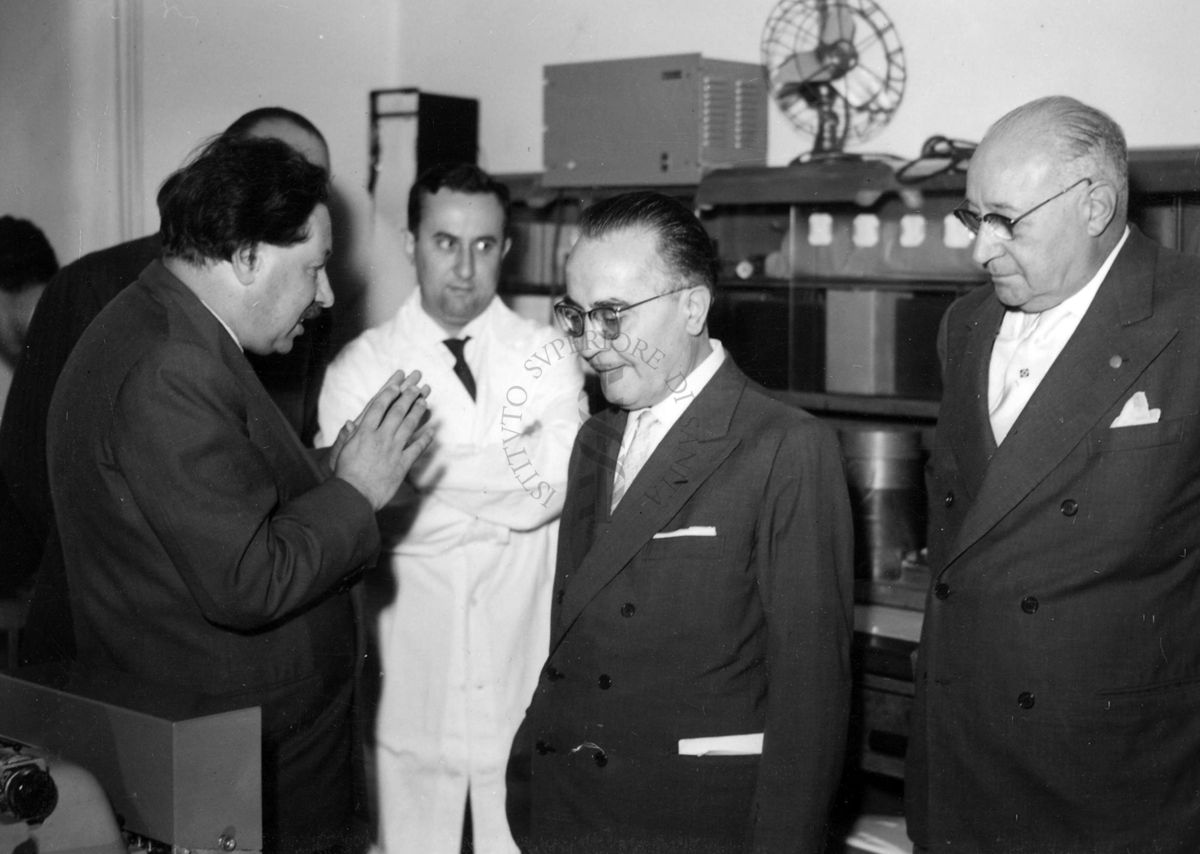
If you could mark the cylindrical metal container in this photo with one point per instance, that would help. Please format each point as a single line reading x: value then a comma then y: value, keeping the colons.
x: 885, y: 475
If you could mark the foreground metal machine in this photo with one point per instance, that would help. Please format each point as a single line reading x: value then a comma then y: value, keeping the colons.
x: 95, y: 763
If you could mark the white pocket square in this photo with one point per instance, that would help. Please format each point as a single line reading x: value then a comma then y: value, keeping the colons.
x: 749, y: 744
x: 1136, y: 411
x: 694, y: 531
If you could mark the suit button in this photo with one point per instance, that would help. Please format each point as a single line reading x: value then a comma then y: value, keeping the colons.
x: 600, y: 758
x: 543, y: 748
x: 1025, y: 700
x: 559, y: 595
x: 554, y: 674
x: 1069, y: 507
x: 605, y: 682
x: 941, y: 590
x: 949, y: 499
x: 628, y: 609
x: 1029, y: 604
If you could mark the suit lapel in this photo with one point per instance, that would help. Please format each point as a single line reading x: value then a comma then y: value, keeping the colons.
x: 967, y: 428
x: 189, y: 311
x: 1116, y: 340
x: 685, y: 458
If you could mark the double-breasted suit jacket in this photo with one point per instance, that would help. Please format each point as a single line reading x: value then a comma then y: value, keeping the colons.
x: 1058, y: 679
x: 715, y: 601
x: 204, y: 547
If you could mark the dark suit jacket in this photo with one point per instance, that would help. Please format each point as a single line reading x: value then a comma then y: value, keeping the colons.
x: 204, y: 547
x: 654, y: 640
x: 29, y: 546
x: 1058, y: 683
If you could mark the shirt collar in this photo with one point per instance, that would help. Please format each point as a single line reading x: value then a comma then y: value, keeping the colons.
x: 671, y: 408
x: 221, y: 320
x: 1081, y: 300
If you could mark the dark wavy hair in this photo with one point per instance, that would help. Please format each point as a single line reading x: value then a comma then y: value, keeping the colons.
x: 26, y: 257
x: 456, y: 177
x: 237, y: 193
x: 684, y: 247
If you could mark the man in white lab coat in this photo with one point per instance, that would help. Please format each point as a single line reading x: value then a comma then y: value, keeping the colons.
x: 472, y: 543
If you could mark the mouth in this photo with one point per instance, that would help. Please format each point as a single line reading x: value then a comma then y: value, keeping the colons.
x: 608, y: 373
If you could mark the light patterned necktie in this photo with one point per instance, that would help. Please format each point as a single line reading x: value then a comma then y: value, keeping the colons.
x: 630, y: 463
x: 1027, y: 364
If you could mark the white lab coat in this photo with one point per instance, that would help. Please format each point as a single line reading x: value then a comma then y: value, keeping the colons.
x: 472, y: 553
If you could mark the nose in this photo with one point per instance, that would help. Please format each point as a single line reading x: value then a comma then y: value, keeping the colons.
x: 464, y: 265
x: 324, y: 290
x: 591, y: 341
x: 986, y: 246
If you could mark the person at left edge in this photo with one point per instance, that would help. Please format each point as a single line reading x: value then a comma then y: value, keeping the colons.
x: 29, y: 547
x: 206, y: 548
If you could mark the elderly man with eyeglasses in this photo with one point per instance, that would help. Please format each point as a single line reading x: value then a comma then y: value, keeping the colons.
x: 697, y: 690
x: 1058, y: 679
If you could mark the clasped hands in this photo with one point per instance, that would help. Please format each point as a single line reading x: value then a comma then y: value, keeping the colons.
x: 374, y: 452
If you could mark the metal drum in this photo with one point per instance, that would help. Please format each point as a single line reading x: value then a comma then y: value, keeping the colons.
x: 885, y: 475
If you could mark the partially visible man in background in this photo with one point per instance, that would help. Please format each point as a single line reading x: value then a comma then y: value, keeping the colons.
x: 464, y: 622
x: 207, y: 550
x: 29, y: 549
x: 27, y: 262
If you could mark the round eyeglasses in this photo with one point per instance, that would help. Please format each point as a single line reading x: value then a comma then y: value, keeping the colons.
x: 572, y: 319
x: 1000, y: 225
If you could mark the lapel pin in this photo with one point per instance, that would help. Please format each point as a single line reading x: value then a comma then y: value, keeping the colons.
x: 1115, y: 362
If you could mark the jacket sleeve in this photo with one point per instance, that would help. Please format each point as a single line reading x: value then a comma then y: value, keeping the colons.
x: 249, y: 548
x: 518, y: 478
x: 805, y: 575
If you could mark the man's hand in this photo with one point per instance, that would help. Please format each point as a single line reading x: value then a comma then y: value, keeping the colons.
x: 374, y: 452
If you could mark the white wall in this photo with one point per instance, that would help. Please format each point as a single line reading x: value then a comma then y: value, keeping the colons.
x: 194, y: 67
x: 968, y: 60
x: 200, y: 63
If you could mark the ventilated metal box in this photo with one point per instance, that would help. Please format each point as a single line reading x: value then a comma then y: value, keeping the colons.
x: 651, y: 121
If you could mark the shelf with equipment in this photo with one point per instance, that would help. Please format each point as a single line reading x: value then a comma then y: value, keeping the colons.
x: 542, y: 224
x: 838, y: 275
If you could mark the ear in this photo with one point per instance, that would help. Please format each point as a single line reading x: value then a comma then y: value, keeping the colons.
x: 696, y: 302
x: 410, y: 246
x: 1102, y: 201
x: 507, y: 246
x: 246, y: 263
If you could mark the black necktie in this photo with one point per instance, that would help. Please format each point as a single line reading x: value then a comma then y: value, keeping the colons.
x: 461, y: 370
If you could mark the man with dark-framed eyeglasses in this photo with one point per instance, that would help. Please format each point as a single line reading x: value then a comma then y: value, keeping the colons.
x: 696, y: 694
x: 1058, y: 679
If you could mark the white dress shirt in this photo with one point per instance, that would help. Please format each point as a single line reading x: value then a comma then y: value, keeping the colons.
x: 1027, y: 345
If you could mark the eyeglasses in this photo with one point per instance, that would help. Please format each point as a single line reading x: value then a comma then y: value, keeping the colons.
x: 608, y: 317
x: 1000, y: 225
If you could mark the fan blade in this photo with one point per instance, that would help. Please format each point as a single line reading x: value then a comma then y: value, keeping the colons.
x: 838, y: 26
x: 801, y: 67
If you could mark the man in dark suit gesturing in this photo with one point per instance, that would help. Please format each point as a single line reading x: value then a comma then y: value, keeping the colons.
x: 206, y: 549
x: 696, y: 693
x: 1058, y: 680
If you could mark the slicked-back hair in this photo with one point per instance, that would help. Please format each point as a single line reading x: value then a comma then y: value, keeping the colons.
x: 244, y: 125
x: 458, y: 178
x: 26, y: 256
x: 237, y: 193
x: 686, y: 250
x: 1086, y: 140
